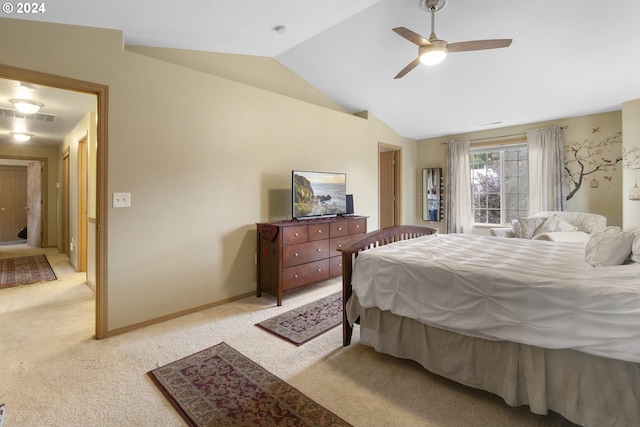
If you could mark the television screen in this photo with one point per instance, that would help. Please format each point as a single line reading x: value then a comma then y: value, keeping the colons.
x: 318, y: 193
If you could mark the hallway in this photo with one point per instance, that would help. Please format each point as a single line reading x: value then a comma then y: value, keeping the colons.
x: 15, y: 302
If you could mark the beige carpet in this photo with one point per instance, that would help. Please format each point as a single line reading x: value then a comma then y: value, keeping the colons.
x: 54, y: 373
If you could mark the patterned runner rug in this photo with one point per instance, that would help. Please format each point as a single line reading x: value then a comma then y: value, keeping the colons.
x: 25, y: 270
x: 308, y: 321
x: 221, y: 387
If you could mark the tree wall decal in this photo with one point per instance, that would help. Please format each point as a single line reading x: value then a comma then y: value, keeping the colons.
x: 587, y: 157
x: 631, y: 158
x: 631, y: 161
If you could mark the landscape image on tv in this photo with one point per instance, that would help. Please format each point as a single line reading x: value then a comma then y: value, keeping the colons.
x: 319, y: 193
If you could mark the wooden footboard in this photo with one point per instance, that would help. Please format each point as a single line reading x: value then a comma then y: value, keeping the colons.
x: 370, y: 240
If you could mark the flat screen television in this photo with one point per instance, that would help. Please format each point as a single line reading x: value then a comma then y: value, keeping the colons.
x: 315, y: 194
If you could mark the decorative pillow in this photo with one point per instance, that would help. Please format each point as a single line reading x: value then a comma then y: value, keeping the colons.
x: 526, y: 226
x: 635, y: 246
x: 611, y: 246
x: 554, y: 224
x: 516, y: 227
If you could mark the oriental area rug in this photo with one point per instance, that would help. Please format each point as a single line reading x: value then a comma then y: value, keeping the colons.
x: 221, y: 387
x: 25, y: 270
x: 308, y: 321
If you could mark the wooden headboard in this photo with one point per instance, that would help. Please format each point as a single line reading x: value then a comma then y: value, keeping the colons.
x: 370, y: 240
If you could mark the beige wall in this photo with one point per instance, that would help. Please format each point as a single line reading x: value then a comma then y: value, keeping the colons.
x: 599, y: 133
x: 204, y: 159
x: 86, y: 126
x: 273, y: 76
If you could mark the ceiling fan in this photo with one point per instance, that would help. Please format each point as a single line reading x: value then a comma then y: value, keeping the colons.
x: 434, y: 50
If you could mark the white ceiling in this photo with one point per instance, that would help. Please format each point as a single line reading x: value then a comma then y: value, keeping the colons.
x: 64, y: 110
x: 568, y: 58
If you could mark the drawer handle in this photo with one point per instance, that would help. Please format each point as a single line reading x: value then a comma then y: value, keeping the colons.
x: 296, y: 234
x: 339, y: 228
x: 358, y: 226
x: 319, y: 249
x: 295, y: 276
x: 340, y: 265
x: 339, y: 246
x: 296, y: 254
x: 319, y: 231
x: 319, y: 269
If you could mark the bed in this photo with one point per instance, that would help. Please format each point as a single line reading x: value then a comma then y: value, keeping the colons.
x: 556, y: 340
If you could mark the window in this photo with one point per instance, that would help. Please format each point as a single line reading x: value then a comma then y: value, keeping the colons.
x: 499, y: 183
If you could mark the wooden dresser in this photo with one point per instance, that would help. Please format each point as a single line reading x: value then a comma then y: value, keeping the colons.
x: 293, y: 254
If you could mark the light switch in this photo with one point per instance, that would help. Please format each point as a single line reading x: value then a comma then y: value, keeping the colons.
x: 121, y: 200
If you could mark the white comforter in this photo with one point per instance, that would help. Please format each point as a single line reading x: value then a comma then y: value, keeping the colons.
x: 529, y: 291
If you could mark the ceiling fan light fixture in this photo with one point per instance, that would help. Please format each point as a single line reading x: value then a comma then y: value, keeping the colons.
x: 21, y: 136
x: 433, y: 50
x: 26, y: 106
x: 434, y: 53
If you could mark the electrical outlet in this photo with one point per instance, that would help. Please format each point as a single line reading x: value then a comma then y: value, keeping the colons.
x: 121, y: 200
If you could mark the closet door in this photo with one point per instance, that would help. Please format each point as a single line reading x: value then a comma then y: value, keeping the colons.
x: 13, y: 201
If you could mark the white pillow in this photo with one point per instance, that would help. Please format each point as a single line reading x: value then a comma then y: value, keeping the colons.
x: 525, y: 227
x: 635, y: 246
x: 610, y: 246
x: 554, y: 224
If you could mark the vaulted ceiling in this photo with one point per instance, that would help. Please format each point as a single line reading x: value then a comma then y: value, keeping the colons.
x: 568, y: 58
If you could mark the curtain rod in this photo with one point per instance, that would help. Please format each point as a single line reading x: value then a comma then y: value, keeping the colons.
x: 498, y: 137
x: 501, y: 136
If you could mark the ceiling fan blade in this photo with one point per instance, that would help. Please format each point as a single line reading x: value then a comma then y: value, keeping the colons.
x: 411, y: 36
x: 478, y: 45
x: 408, y: 68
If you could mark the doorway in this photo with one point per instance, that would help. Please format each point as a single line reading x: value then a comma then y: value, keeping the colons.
x: 13, y: 201
x: 389, y: 172
x: 22, y: 199
x: 101, y: 93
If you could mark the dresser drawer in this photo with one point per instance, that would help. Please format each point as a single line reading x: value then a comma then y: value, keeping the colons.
x: 358, y: 226
x: 296, y: 234
x: 335, y: 266
x: 318, y: 232
x: 340, y: 228
x: 310, y: 272
x: 305, y: 252
x: 338, y: 242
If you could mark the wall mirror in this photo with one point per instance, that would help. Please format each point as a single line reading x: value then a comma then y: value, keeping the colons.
x: 432, y: 194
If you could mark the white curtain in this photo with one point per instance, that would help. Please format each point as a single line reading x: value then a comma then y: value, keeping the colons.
x: 546, y: 170
x: 459, y: 203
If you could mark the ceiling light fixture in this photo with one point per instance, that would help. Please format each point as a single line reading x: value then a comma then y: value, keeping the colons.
x: 21, y: 136
x: 26, y: 106
x: 433, y: 53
